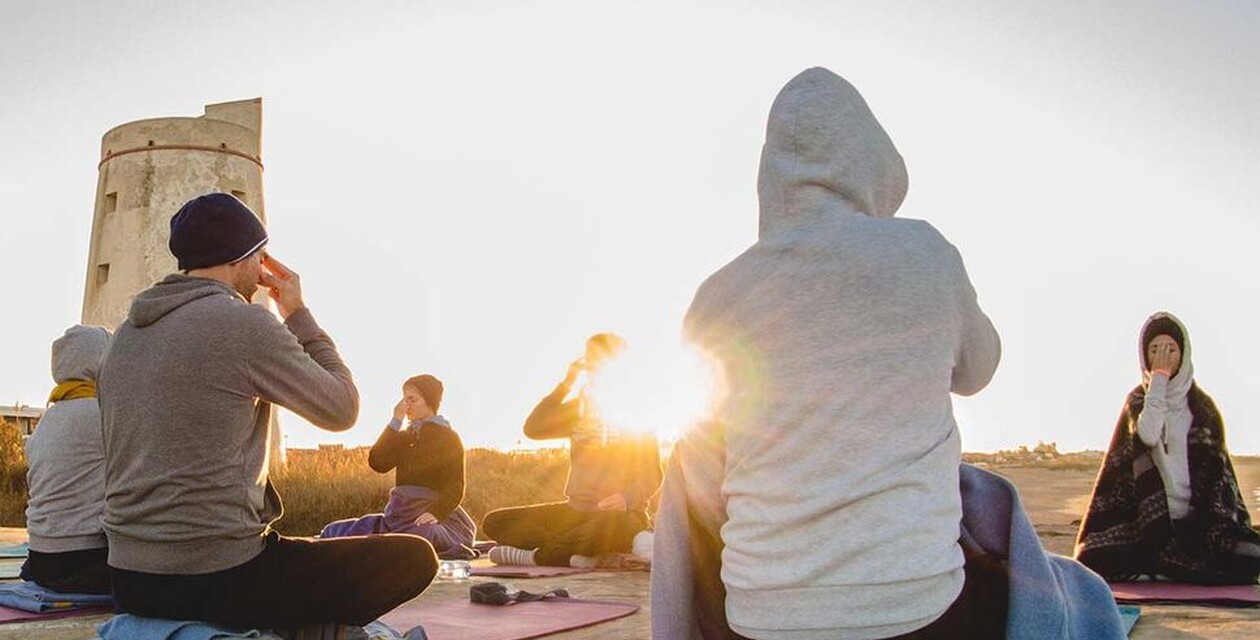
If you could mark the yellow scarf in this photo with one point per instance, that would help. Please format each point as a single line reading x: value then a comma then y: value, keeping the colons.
x: 73, y: 390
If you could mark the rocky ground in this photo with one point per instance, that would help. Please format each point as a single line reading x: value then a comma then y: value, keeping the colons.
x: 1054, y: 494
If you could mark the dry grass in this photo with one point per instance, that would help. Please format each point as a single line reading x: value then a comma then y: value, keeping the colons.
x: 330, y: 484
x: 12, y: 476
x: 321, y: 486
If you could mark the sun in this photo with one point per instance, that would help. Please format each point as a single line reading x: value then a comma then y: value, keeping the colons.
x: 662, y: 390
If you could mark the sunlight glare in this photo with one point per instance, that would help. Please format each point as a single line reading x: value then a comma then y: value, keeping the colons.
x: 664, y: 391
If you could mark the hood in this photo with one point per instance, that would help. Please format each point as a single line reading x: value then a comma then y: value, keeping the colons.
x: 1178, y: 385
x: 77, y: 354
x: 172, y: 293
x: 823, y: 143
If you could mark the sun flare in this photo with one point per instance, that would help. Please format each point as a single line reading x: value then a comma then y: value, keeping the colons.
x: 662, y: 391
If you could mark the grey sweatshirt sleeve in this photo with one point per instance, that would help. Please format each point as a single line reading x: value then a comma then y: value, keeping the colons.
x: 979, y: 349
x: 296, y: 366
x: 1150, y: 423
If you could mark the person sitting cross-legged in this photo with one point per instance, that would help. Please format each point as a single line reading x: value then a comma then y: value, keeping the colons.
x: 186, y: 396
x: 427, y: 458
x: 1166, y: 503
x: 612, y: 476
x: 66, y: 473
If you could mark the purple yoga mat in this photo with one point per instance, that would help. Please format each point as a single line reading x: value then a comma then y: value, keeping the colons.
x: 17, y: 615
x: 523, y: 571
x: 463, y: 620
x: 1177, y: 593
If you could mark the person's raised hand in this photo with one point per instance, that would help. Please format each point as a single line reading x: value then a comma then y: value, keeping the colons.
x: 283, y: 285
x: 1164, y: 360
x: 400, y: 409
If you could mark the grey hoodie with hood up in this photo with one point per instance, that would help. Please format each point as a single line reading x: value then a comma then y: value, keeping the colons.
x: 66, y: 458
x: 185, y: 399
x: 841, y: 334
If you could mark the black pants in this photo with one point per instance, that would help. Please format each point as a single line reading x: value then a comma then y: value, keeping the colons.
x: 82, y: 571
x: 558, y: 531
x: 978, y: 613
x: 292, y: 583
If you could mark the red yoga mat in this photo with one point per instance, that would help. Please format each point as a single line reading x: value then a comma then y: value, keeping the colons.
x: 463, y: 620
x: 1177, y: 593
x: 523, y: 571
x: 17, y: 615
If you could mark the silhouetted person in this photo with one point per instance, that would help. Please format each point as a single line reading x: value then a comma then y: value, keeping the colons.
x: 612, y: 476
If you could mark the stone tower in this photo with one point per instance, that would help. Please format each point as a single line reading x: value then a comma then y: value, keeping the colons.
x: 148, y: 169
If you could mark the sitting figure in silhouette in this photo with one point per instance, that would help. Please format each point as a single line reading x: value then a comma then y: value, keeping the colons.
x: 612, y: 476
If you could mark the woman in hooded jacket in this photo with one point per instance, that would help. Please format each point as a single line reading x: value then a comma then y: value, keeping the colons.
x: 1166, y: 503
x: 66, y: 473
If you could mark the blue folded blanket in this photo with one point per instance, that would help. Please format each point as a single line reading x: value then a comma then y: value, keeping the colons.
x: 128, y: 627
x: 15, y: 550
x: 125, y: 626
x: 29, y: 596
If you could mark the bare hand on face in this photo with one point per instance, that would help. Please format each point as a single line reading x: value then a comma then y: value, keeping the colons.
x: 283, y: 285
x: 426, y: 518
x: 615, y: 502
x: 400, y: 409
x: 1164, y: 359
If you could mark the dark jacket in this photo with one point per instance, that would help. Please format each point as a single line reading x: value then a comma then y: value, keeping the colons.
x: 429, y: 454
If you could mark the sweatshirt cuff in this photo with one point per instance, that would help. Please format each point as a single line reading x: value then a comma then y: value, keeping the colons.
x: 395, y: 424
x: 302, y: 324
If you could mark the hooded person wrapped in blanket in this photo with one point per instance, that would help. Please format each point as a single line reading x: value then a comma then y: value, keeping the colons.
x: 1166, y: 502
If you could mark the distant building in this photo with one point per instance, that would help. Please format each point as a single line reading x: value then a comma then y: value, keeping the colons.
x: 25, y: 417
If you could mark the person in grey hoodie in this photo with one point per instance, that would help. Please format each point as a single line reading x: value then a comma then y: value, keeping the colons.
x: 186, y: 394
x: 841, y: 334
x: 66, y: 473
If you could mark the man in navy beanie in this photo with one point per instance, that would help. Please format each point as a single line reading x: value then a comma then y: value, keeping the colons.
x: 186, y: 394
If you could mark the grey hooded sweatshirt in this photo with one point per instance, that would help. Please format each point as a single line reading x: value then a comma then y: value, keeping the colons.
x: 185, y: 399
x: 65, y: 455
x: 841, y: 334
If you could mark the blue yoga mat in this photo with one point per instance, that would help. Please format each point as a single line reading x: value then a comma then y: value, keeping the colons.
x: 1129, y: 615
x: 14, y: 550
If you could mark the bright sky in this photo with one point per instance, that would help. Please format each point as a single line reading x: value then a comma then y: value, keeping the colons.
x: 471, y: 188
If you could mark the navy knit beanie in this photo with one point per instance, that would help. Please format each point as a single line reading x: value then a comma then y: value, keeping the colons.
x: 214, y: 229
x: 430, y: 389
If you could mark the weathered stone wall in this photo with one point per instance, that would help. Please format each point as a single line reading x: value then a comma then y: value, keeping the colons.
x: 148, y: 169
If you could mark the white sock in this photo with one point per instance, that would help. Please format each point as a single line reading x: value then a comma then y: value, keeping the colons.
x: 583, y: 562
x: 642, y: 546
x: 505, y: 554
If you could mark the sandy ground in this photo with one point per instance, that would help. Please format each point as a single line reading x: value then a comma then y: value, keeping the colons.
x: 1054, y: 498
